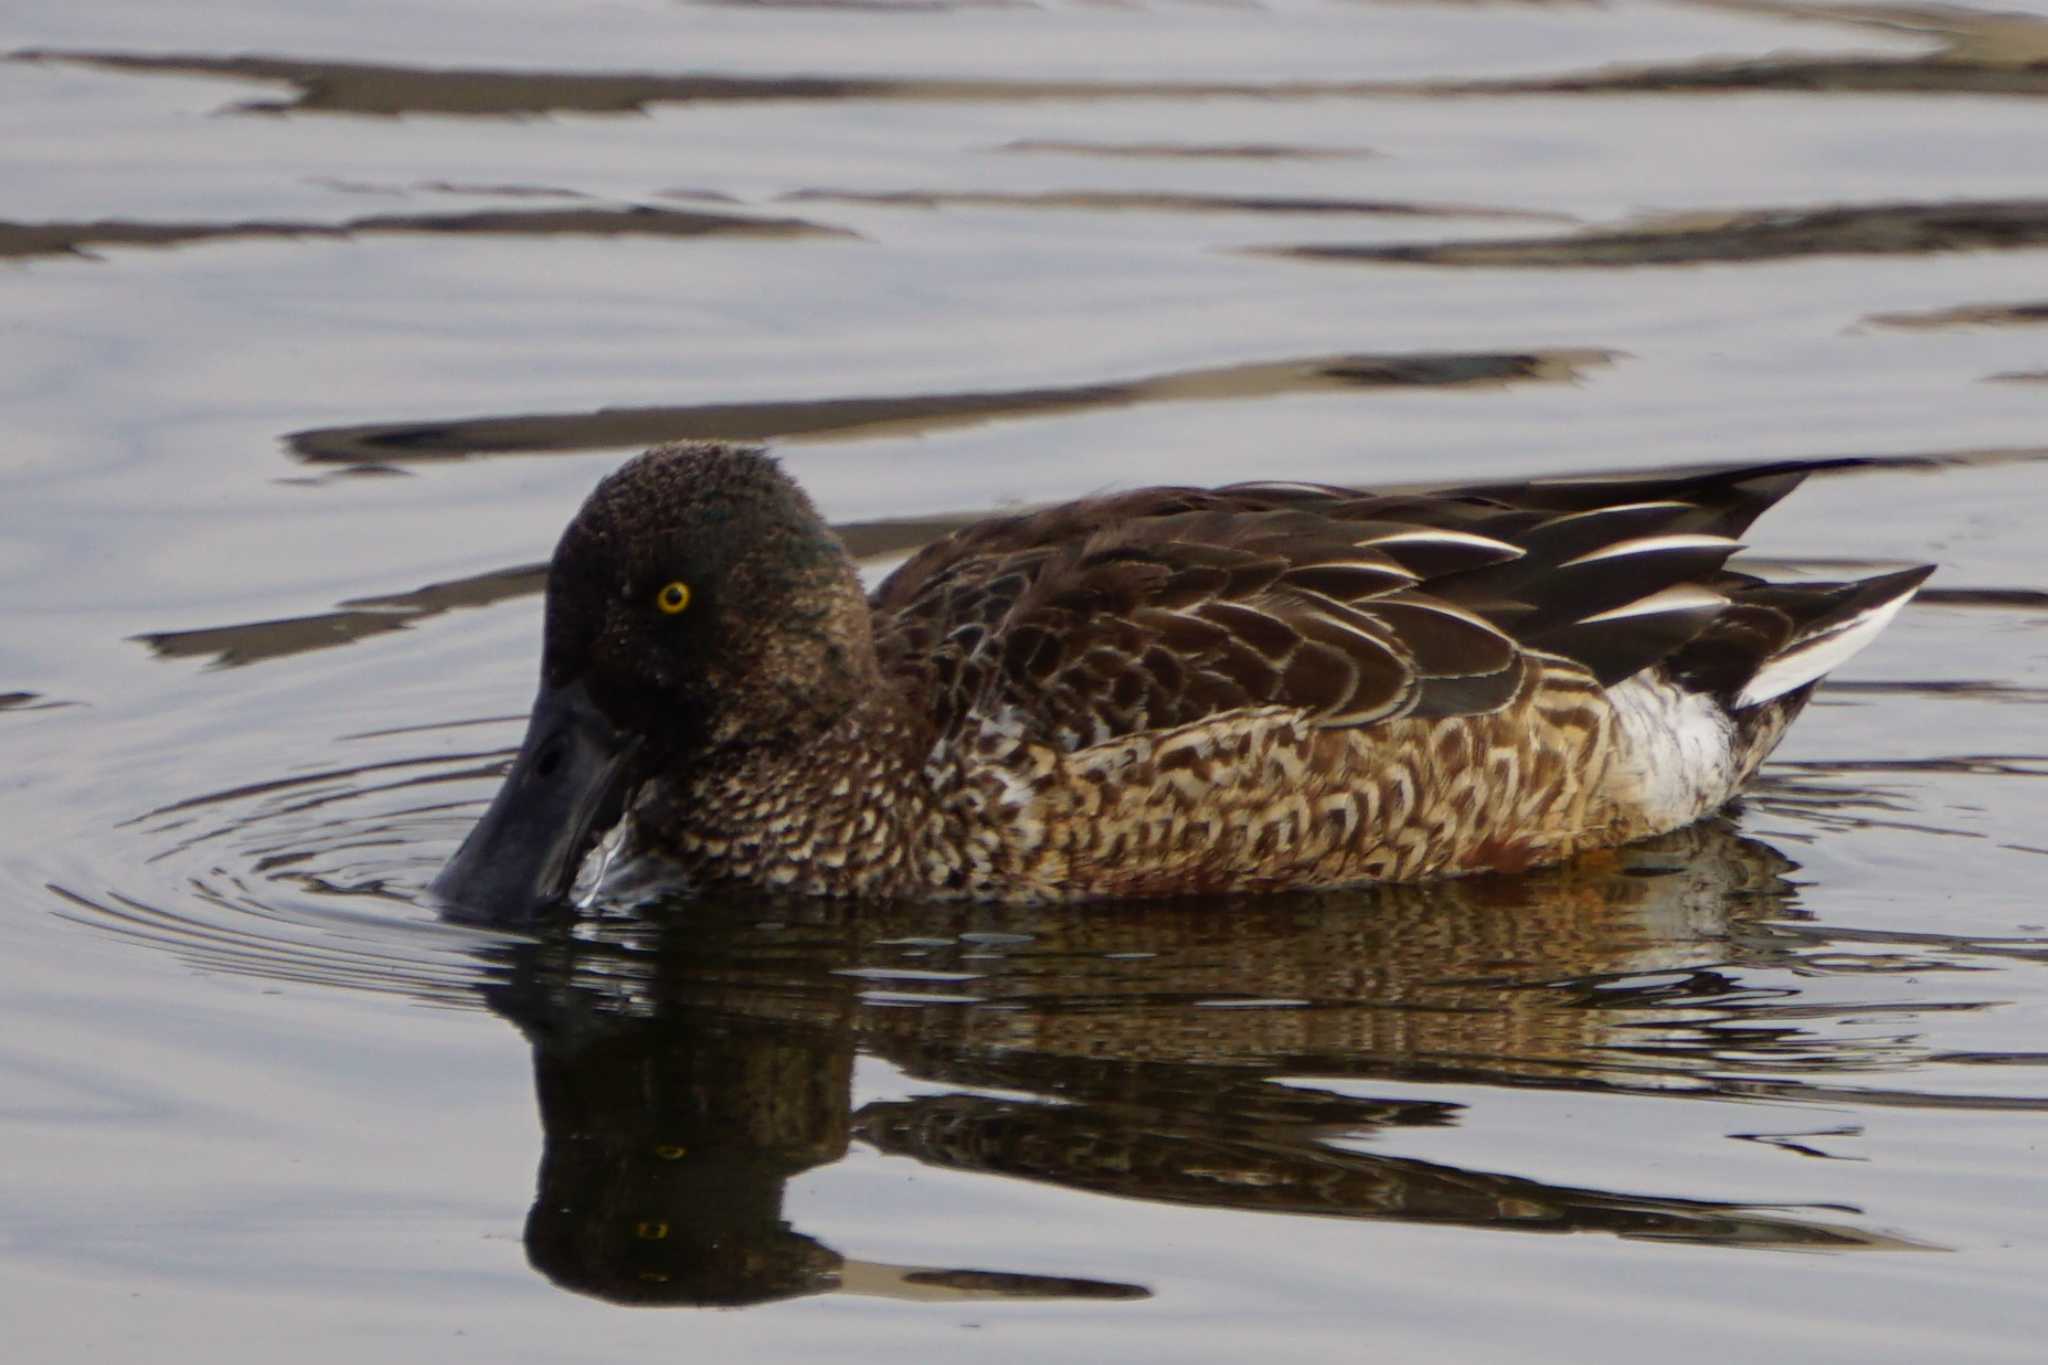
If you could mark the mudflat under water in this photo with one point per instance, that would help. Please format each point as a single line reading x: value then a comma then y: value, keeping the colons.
x: 320, y: 321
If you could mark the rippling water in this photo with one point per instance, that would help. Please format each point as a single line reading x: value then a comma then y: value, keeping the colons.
x: 323, y: 320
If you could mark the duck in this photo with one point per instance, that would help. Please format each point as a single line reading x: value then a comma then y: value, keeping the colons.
x: 1170, y: 691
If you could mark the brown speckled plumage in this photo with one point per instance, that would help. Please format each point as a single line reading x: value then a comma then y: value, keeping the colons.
x: 1184, y: 690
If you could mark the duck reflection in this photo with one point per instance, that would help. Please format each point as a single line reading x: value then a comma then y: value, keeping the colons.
x: 668, y: 1150
x: 691, y: 1059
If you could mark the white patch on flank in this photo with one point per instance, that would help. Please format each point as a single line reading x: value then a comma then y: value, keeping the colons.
x: 1678, y: 597
x: 1819, y: 654
x: 1674, y: 751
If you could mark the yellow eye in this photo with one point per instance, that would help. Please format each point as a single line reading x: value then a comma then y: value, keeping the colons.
x: 673, y: 598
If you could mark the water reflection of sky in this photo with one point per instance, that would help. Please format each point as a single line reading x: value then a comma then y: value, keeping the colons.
x: 291, y: 288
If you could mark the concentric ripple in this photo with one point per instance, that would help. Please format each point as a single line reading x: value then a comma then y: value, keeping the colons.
x: 313, y: 877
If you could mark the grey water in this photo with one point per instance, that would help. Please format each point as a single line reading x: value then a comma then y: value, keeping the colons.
x: 317, y: 322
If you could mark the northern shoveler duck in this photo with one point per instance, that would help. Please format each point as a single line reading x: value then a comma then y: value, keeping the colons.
x: 1173, y: 690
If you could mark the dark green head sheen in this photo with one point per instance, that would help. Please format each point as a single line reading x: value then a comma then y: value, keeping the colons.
x: 696, y: 604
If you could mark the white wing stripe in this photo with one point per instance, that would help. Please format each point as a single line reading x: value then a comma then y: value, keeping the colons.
x: 1343, y: 620
x: 1435, y: 536
x: 1290, y: 486
x: 1678, y: 597
x: 1441, y: 608
x: 1664, y: 503
x: 1644, y: 545
x: 1382, y: 568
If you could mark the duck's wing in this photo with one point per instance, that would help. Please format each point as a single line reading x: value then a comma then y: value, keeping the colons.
x: 1156, y: 609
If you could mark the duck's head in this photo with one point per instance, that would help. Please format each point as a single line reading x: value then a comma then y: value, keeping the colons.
x: 696, y: 605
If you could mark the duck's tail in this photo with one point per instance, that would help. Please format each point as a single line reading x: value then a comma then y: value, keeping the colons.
x: 1776, y: 638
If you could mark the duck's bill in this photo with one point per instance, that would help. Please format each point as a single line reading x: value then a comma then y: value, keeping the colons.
x: 566, y: 788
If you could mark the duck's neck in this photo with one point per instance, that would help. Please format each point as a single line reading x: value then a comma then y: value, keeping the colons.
x: 844, y: 812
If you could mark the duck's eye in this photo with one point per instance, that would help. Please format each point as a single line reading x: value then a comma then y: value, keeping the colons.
x: 672, y: 598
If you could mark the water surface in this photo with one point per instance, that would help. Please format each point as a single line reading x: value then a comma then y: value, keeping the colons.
x: 322, y: 321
